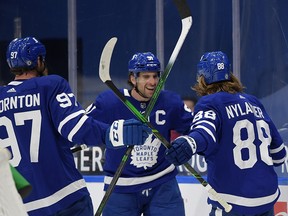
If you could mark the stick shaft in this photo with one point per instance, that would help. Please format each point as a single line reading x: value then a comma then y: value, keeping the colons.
x: 113, y: 181
x: 186, y: 25
x: 78, y: 148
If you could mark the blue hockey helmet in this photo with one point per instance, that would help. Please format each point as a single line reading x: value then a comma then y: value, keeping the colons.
x: 24, y: 52
x: 141, y: 62
x: 214, y: 66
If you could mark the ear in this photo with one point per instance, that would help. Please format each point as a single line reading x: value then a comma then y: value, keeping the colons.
x: 40, y: 61
x: 132, y: 79
x: 41, y: 66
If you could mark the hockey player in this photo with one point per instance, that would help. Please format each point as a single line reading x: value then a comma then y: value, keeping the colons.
x: 239, y: 140
x: 147, y: 184
x: 40, y: 121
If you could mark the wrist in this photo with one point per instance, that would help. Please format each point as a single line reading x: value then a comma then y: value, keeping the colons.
x: 191, y: 142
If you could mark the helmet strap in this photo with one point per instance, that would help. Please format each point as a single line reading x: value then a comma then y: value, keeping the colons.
x: 138, y: 92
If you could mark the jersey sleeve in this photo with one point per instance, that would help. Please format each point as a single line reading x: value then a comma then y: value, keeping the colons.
x: 182, y: 116
x: 277, y: 148
x: 69, y: 117
x: 100, y: 108
x: 204, y: 127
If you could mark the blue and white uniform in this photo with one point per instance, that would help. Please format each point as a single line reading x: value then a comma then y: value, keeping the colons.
x: 39, y: 124
x: 241, y: 145
x: 147, y: 166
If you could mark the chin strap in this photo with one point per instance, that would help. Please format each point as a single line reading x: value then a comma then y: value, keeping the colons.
x: 140, y: 93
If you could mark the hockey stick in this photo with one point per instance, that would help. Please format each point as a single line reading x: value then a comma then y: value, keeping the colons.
x: 105, y: 66
x: 78, y: 148
x: 104, y: 74
x: 113, y: 181
x: 186, y: 20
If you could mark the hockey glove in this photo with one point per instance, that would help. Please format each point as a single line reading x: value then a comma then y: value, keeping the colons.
x: 127, y: 132
x: 181, y: 150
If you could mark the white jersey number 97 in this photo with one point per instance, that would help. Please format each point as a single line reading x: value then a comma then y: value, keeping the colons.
x: 11, y: 140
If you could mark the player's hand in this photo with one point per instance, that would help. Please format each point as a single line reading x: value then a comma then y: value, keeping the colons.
x: 181, y: 150
x: 127, y: 132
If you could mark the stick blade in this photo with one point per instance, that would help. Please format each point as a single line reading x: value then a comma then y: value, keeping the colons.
x: 104, y: 66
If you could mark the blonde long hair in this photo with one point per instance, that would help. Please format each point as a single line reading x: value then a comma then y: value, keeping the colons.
x: 231, y: 86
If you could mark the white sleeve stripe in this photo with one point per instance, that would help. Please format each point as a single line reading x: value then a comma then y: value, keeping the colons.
x: 279, y: 161
x: 68, y: 118
x: 280, y: 148
x: 208, y: 131
x: 89, y: 109
x: 77, y: 127
x: 207, y: 122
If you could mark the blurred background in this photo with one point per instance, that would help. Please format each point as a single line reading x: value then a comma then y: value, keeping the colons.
x: 253, y: 33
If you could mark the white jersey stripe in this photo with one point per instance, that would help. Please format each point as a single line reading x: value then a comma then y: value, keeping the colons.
x: 208, y: 131
x: 68, y: 118
x: 54, y: 198
x: 273, y: 151
x: 279, y: 161
x: 77, y: 127
x: 139, y: 180
x: 15, y: 83
x: 205, y: 121
x: 248, y: 202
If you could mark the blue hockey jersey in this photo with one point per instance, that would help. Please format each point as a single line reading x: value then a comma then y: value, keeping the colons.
x: 147, y: 166
x: 40, y: 120
x: 241, y: 144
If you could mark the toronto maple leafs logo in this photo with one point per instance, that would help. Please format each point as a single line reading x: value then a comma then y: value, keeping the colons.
x: 146, y: 155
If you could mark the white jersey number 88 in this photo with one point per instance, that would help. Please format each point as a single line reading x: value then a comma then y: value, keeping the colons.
x: 248, y: 143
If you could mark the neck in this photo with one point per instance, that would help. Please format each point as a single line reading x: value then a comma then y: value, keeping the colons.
x: 26, y: 75
x: 138, y: 96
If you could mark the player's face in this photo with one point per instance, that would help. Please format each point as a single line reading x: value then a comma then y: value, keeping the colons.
x: 146, y: 83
